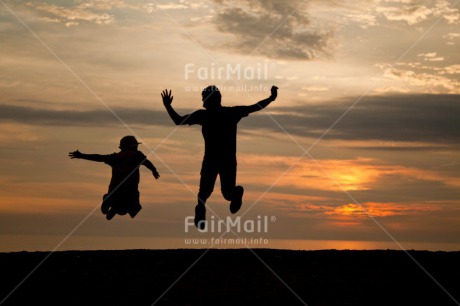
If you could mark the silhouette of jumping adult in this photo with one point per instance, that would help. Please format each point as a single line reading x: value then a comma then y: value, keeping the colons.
x: 123, y: 194
x: 219, y: 129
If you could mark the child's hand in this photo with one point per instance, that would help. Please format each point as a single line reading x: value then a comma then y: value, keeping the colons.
x: 274, y: 91
x: 156, y: 174
x: 75, y: 154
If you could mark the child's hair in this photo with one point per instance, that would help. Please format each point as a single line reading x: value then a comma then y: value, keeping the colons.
x: 212, y: 94
x: 128, y: 142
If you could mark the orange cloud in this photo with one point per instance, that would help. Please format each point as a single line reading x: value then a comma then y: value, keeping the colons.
x: 372, y: 209
x: 13, y: 132
x: 331, y: 174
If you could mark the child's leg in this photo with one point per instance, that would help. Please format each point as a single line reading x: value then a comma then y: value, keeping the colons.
x: 134, y: 204
x: 105, y: 204
x: 110, y: 214
x: 115, y: 203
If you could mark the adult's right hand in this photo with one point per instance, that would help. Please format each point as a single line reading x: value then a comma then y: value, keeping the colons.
x: 167, y: 98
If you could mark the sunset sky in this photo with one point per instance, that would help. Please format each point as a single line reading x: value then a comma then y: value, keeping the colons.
x: 360, y: 150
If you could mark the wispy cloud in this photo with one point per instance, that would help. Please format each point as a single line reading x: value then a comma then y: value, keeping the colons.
x: 71, y: 16
x: 315, y: 88
x: 413, y: 13
x: 427, y: 79
x: 451, y: 38
x: 364, y: 20
x: 431, y: 57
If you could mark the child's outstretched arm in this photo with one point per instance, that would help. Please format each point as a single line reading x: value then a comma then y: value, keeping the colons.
x: 262, y: 104
x: 152, y: 168
x: 92, y: 157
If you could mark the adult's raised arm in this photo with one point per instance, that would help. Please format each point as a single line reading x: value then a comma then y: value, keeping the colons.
x: 167, y: 101
x: 263, y: 103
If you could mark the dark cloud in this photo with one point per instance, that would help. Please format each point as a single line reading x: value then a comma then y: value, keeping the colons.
x: 408, y: 118
x: 277, y: 29
x: 100, y: 117
x: 429, y: 119
x: 405, y: 148
x: 402, y: 188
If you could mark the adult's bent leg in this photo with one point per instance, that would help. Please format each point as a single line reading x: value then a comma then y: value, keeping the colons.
x: 230, y: 191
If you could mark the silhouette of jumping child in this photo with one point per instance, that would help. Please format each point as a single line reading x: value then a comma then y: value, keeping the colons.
x: 219, y: 129
x: 123, y: 194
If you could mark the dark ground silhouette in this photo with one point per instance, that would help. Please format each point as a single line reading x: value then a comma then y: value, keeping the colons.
x: 230, y: 277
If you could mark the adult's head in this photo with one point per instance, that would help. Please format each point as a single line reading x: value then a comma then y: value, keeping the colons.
x: 211, y: 97
x: 129, y: 143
